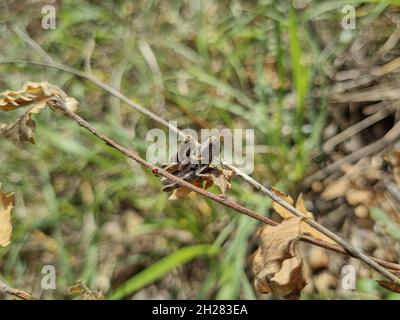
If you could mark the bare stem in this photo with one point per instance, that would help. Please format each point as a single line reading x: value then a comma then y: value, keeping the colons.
x: 346, y: 248
x: 15, y: 292
x: 258, y: 186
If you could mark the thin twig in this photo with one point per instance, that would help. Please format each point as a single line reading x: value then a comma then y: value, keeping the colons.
x: 391, y: 136
x: 105, y: 87
x: 15, y: 292
x: 356, y: 128
x: 20, y: 31
x: 347, y: 248
x: 258, y: 186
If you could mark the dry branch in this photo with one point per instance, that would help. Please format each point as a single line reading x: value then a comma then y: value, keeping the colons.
x: 15, y: 292
x: 388, y: 138
x: 347, y: 248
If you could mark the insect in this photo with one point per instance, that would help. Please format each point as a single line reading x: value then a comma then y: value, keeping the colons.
x: 191, y: 163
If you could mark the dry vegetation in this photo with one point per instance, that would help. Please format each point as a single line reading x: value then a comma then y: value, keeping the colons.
x: 323, y: 100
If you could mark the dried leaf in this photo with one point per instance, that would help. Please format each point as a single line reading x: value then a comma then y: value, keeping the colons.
x: 6, y: 207
x: 31, y: 93
x: 390, y: 285
x: 300, y: 205
x: 278, y: 208
x: 84, y: 292
x: 39, y: 96
x: 277, y: 267
x: 305, y: 228
x: 289, y: 280
x: 221, y: 178
x: 179, y: 193
x: 22, y: 130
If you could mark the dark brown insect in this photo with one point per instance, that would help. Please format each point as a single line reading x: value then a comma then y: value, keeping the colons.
x: 191, y: 162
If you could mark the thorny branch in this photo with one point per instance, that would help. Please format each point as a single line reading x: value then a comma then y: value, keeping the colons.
x: 346, y: 248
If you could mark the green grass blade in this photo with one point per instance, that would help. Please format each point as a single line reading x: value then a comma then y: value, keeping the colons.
x: 300, y: 73
x: 162, y: 267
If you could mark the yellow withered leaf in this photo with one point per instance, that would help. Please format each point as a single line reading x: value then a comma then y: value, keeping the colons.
x: 300, y: 205
x: 278, y: 208
x: 6, y: 207
x: 221, y: 178
x: 30, y: 93
x: 276, y: 264
x: 38, y: 96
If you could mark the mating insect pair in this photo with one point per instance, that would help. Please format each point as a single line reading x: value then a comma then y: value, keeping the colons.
x: 193, y: 163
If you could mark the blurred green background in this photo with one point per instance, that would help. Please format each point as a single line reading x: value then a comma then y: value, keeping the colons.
x: 98, y: 217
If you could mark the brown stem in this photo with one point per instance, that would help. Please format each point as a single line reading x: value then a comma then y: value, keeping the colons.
x: 258, y: 186
x: 373, y: 262
x: 15, y: 292
x: 391, y: 136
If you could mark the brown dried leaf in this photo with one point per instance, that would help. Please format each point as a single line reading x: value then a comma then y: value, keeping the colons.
x: 38, y: 95
x: 84, y: 292
x: 277, y: 267
x: 278, y: 208
x: 182, y: 192
x: 305, y: 228
x: 6, y: 207
x: 30, y: 93
x: 179, y: 193
x: 22, y: 130
x: 289, y: 280
x: 221, y: 178
x: 390, y: 285
x: 300, y: 205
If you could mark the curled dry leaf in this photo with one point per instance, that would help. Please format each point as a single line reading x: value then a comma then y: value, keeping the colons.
x: 22, y: 130
x: 6, y: 207
x: 33, y: 93
x: 276, y: 264
x: 38, y: 96
x: 305, y: 228
x: 221, y: 178
x: 80, y: 289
